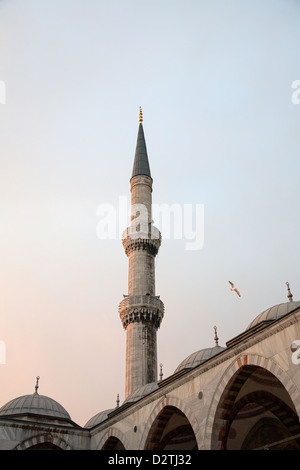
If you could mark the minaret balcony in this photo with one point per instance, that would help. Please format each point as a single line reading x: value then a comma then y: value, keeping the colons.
x: 134, y: 239
x: 141, y: 308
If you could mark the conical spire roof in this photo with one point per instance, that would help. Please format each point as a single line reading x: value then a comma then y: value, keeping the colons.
x: 141, y: 162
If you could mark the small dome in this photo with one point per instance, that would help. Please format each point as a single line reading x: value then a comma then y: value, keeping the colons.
x: 199, y: 357
x: 98, y: 418
x: 141, y: 392
x: 275, y: 312
x: 34, y: 404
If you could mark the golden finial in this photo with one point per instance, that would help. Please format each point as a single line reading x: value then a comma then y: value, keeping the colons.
x: 141, y: 115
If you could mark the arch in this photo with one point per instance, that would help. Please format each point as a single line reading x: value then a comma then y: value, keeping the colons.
x: 269, y: 430
x: 113, y: 443
x: 167, y: 409
x: 113, y: 439
x: 43, y: 441
x: 271, y: 419
x: 231, y: 383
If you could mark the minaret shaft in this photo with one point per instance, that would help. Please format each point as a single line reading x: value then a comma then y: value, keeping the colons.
x: 141, y: 262
x: 141, y: 198
x: 141, y: 355
x: 141, y: 311
x: 141, y: 271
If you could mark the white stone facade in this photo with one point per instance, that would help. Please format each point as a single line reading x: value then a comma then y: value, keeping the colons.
x: 221, y: 400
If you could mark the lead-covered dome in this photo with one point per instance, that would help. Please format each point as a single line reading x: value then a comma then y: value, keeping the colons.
x: 141, y: 392
x: 199, y: 357
x: 274, y: 313
x: 34, y: 404
x: 98, y: 418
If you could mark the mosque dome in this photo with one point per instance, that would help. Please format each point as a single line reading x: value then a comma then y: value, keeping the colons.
x: 133, y: 397
x: 274, y: 313
x: 98, y: 418
x: 34, y: 404
x: 199, y: 357
x: 141, y: 392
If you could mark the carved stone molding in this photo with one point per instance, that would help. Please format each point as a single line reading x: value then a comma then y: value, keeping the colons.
x: 141, y: 179
x: 141, y: 308
x: 141, y: 242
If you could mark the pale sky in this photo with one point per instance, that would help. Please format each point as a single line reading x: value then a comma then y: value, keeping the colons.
x: 214, y: 79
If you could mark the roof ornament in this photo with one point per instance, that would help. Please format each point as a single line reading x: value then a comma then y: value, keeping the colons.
x: 141, y: 115
x: 161, y: 373
x: 37, y: 384
x: 216, y: 336
x: 289, y: 294
x: 118, y: 401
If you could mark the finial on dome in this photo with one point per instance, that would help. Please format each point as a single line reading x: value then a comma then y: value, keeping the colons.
x: 37, y: 384
x: 289, y: 294
x: 118, y: 401
x: 216, y: 336
x: 161, y: 373
x: 141, y: 115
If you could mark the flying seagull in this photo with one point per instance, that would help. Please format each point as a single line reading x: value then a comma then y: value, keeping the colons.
x: 234, y: 288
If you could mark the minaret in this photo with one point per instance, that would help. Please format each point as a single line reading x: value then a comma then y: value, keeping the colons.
x: 141, y: 311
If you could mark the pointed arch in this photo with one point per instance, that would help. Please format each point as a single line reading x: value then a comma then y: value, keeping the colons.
x: 216, y: 421
x: 169, y: 402
x: 44, y: 441
x: 113, y: 437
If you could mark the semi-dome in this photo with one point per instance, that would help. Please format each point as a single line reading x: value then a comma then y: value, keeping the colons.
x: 274, y: 313
x: 98, y: 418
x: 141, y: 392
x: 199, y: 357
x: 34, y: 404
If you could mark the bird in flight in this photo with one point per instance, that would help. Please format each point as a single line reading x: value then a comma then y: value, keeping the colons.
x: 234, y: 288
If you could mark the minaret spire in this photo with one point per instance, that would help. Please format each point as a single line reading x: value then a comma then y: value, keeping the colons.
x: 141, y: 311
x: 141, y: 163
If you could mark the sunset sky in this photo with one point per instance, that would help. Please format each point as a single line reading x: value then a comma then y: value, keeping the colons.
x: 214, y: 79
